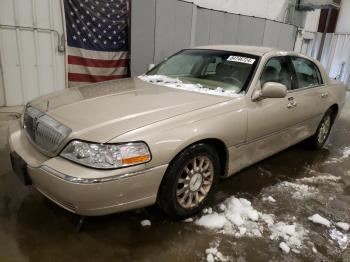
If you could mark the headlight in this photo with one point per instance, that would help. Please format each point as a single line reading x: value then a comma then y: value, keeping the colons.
x: 107, y: 156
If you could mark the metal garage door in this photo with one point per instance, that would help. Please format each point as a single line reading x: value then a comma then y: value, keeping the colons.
x: 32, y: 58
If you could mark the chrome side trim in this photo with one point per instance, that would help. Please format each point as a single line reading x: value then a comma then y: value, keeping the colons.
x: 79, y: 180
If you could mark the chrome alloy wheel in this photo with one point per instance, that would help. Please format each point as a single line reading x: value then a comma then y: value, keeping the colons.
x: 195, y: 182
x: 324, y: 129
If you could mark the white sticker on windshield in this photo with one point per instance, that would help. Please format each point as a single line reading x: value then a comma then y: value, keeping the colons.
x: 241, y: 59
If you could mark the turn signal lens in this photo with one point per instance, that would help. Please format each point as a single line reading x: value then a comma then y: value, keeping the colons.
x: 135, y: 160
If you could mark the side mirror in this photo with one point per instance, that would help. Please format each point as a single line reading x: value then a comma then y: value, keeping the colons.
x: 150, y: 67
x: 270, y: 90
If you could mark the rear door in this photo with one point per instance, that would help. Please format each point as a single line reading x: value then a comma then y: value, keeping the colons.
x: 309, y: 95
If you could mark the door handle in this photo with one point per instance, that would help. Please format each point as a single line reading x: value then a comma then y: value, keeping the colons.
x: 324, y: 95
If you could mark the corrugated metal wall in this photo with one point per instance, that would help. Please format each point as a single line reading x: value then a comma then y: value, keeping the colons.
x: 161, y: 27
x: 335, y: 56
x: 339, y: 64
x: 30, y: 38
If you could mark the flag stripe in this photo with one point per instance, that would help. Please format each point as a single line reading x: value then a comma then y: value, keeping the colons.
x: 92, y: 78
x: 97, y: 70
x: 76, y: 60
x: 74, y: 51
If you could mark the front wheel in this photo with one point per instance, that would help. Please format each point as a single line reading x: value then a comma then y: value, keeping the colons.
x: 189, y: 181
x: 324, y: 128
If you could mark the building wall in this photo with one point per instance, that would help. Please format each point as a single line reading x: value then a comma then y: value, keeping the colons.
x: 167, y: 26
x: 270, y: 9
x: 343, y: 25
x: 30, y: 61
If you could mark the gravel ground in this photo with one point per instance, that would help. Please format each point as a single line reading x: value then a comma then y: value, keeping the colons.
x: 288, y: 188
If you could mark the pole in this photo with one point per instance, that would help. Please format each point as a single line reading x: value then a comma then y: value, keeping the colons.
x: 320, y: 51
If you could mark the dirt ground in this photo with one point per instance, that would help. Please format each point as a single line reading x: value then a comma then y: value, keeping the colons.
x: 34, y: 229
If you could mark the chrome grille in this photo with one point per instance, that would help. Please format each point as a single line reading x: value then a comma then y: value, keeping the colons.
x: 44, y: 131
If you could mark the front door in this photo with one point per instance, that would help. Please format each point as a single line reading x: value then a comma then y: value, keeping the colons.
x: 270, y: 119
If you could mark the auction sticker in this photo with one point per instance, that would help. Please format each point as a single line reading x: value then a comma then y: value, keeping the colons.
x: 241, y: 59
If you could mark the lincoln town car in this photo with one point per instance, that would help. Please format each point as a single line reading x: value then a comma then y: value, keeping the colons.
x: 169, y: 136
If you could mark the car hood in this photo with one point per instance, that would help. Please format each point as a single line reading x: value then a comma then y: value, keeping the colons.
x: 100, y: 112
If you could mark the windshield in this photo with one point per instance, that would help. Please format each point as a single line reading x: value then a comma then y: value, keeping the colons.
x: 210, y: 68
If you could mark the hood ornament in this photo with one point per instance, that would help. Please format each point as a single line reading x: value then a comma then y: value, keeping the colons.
x: 47, y: 105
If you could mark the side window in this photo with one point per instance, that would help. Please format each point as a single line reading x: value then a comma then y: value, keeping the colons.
x: 307, y: 73
x: 277, y: 70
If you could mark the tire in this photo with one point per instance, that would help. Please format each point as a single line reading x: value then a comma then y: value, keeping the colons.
x: 188, y: 183
x: 318, y: 140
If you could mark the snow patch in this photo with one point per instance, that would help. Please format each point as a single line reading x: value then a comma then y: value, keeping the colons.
x: 210, y: 258
x: 343, y: 226
x: 342, y: 239
x: 285, y: 248
x: 317, y: 219
x: 300, y: 191
x: 146, y: 223
x: 319, y: 179
x: 208, y: 210
x: 212, y: 221
x: 213, y: 254
x: 292, y: 234
x: 237, y: 217
x: 269, y: 198
x: 177, y: 83
x: 345, y: 154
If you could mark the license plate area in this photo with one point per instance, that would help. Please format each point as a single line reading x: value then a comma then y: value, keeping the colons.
x: 19, y: 166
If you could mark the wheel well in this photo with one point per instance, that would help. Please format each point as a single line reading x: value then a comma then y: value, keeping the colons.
x: 218, y: 146
x: 221, y: 149
x: 335, y: 109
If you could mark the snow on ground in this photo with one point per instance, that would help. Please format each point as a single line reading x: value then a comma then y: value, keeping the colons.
x: 146, y: 223
x: 319, y: 179
x: 269, y: 198
x: 177, y: 83
x: 285, y: 248
x: 317, y: 219
x: 299, y: 191
x: 212, y: 221
x: 238, y: 217
x: 342, y: 225
x: 213, y: 254
x: 293, y: 235
x: 343, y: 240
x: 345, y: 153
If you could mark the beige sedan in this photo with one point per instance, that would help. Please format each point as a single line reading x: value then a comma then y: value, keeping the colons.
x: 168, y: 136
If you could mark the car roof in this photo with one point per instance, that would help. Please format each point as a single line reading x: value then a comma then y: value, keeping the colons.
x: 254, y: 50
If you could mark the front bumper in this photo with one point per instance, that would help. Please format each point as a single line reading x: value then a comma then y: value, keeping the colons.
x: 87, y: 191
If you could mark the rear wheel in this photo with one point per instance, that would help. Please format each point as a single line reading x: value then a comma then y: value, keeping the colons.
x: 189, y: 181
x: 324, y: 128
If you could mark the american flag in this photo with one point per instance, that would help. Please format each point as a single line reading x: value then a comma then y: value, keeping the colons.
x: 97, y: 37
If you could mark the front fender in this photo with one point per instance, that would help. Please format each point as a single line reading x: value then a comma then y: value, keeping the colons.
x: 169, y: 137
